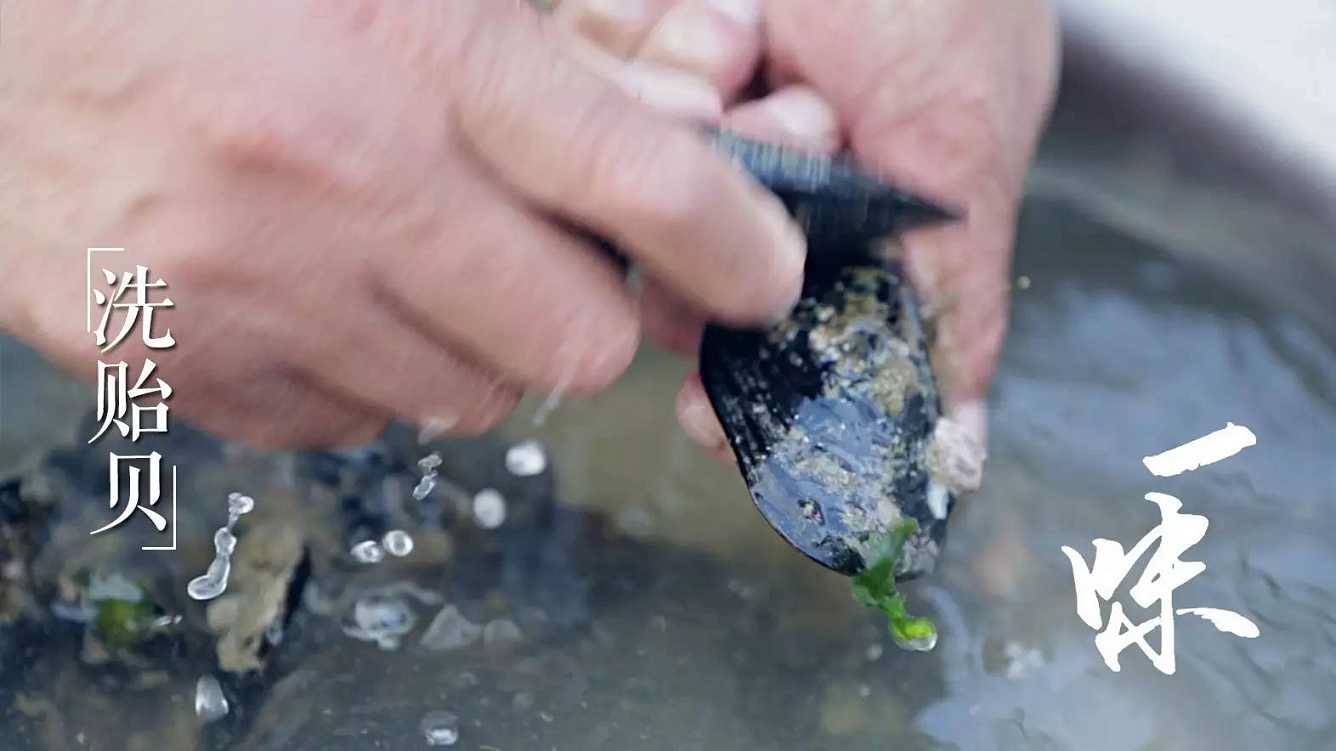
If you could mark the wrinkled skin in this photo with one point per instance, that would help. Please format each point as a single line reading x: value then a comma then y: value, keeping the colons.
x: 362, y: 208
x: 944, y: 97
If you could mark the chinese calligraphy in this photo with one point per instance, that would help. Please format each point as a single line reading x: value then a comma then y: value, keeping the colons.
x: 132, y: 501
x: 114, y: 397
x: 132, y: 407
x: 1165, y: 572
x: 140, y: 308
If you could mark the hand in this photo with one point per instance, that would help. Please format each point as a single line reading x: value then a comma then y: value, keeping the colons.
x: 362, y: 209
x: 944, y: 97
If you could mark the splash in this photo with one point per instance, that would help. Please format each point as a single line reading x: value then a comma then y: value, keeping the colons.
x: 526, y: 459
x: 213, y: 581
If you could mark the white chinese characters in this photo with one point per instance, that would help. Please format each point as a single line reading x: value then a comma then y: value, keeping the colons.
x: 132, y: 404
x: 1164, y: 572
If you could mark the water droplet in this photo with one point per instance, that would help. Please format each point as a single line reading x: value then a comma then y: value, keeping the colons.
x: 526, y: 459
x: 367, y: 551
x: 429, y: 462
x: 224, y: 542
x: 923, y: 643
x: 212, y: 582
x: 440, y: 728
x: 210, y: 703
x: 397, y: 543
x: 548, y: 406
x: 380, y: 619
x: 239, y: 505
x: 489, y: 508
x: 424, y: 486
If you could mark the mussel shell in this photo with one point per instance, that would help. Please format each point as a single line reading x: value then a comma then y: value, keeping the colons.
x: 840, y: 207
x: 831, y: 415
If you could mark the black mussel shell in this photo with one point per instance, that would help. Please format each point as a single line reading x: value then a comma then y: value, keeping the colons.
x: 831, y: 413
x: 837, y: 204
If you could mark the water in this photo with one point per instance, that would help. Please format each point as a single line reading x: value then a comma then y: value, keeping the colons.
x: 526, y: 459
x: 425, y: 486
x: 655, y: 610
x: 397, y: 543
x: 367, y: 551
x: 489, y: 508
x: 440, y: 728
x: 210, y: 703
x: 213, y: 582
x: 381, y: 618
x: 427, y: 465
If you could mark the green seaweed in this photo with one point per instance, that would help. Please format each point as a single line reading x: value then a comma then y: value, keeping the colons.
x: 123, y: 624
x: 124, y: 616
x: 875, y: 588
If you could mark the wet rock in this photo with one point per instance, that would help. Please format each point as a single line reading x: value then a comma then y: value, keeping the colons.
x: 451, y: 630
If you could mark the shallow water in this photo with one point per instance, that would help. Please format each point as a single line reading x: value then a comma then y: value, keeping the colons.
x: 657, y: 611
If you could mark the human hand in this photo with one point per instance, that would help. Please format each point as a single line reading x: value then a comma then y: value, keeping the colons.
x: 362, y: 209
x: 945, y: 98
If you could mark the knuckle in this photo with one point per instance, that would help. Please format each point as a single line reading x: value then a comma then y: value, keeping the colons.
x: 660, y: 182
x: 262, y: 133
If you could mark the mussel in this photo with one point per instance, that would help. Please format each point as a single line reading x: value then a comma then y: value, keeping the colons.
x: 831, y: 413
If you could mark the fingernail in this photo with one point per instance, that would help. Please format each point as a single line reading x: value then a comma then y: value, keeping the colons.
x: 617, y: 11
x: 677, y: 94
x: 700, y: 424
x: 435, y: 427
x: 809, y: 120
x: 688, y: 40
x: 745, y: 12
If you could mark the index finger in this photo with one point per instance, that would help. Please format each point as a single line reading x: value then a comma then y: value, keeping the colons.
x: 576, y: 145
